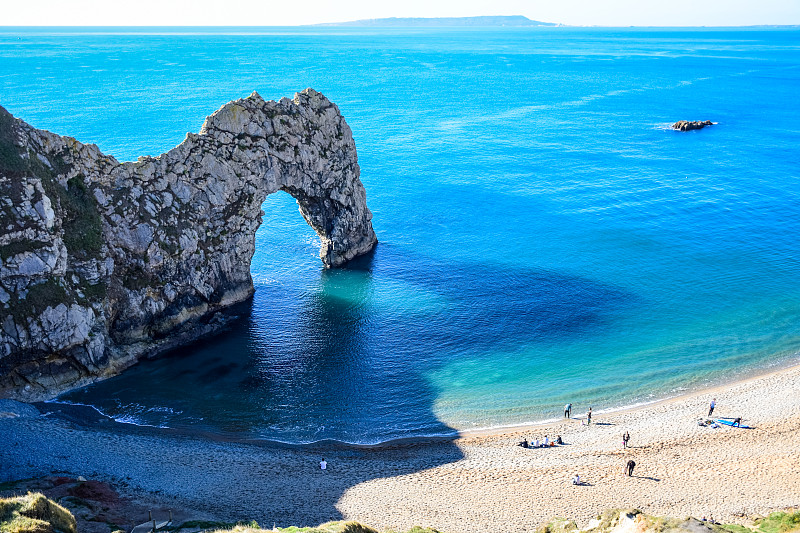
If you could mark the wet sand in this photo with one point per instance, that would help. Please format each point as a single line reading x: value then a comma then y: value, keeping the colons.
x: 470, y: 484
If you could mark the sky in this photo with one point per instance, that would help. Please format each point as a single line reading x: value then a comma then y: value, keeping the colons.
x: 290, y: 13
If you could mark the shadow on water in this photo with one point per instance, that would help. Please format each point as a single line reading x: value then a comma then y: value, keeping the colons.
x: 346, y: 360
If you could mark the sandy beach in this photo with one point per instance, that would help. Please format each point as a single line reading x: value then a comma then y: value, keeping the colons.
x: 474, y: 483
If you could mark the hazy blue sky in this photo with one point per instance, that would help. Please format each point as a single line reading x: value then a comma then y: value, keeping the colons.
x: 287, y: 12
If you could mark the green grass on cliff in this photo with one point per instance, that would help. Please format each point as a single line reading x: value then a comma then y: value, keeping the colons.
x: 780, y: 522
x: 611, y: 519
x: 18, y: 247
x: 83, y: 230
x: 10, y: 162
x: 44, y: 295
x: 328, y: 527
x: 33, y: 513
x: 74, y: 204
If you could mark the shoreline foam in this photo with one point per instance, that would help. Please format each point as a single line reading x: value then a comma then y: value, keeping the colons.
x: 498, y: 430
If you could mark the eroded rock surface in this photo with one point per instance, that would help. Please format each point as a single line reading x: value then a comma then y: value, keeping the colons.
x: 103, y: 263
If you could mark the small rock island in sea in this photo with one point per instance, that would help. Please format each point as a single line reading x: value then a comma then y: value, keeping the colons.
x: 103, y: 263
x: 686, y: 125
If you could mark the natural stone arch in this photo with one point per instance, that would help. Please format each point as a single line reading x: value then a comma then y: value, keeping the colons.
x: 311, y: 155
x: 172, y: 237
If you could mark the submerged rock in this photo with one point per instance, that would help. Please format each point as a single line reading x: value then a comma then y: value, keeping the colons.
x: 103, y: 263
x: 686, y: 125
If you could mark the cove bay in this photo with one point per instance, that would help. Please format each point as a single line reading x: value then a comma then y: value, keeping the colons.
x: 544, y: 236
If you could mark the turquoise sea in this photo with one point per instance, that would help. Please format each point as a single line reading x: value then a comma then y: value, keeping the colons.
x: 544, y: 236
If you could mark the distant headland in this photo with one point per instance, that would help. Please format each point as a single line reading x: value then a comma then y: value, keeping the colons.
x: 513, y: 20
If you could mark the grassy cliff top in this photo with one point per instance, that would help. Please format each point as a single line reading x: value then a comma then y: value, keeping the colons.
x: 35, y: 513
x: 328, y: 527
x: 635, y: 521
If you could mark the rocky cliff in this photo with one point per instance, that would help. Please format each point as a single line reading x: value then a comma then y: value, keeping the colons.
x: 103, y: 263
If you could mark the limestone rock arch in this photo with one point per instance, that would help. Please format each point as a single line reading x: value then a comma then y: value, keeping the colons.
x: 106, y: 262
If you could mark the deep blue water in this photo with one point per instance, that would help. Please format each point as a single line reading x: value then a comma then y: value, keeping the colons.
x: 544, y: 237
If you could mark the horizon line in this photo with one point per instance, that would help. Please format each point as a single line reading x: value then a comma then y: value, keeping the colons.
x: 346, y: 25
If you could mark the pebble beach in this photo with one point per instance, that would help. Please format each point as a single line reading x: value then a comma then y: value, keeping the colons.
x: 477, y: 482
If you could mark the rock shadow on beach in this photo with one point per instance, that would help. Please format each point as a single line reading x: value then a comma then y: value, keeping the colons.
x: 323, y: 365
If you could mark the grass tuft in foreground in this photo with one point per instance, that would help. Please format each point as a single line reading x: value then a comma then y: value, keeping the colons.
x: 33, y: 513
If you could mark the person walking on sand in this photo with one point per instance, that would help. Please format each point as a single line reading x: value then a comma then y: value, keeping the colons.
x: 625, y: 438
x: 589, y: 417
x: 711, y: 406
x: 629, y: 467
x: 568, y: 410
x: 323, y: 465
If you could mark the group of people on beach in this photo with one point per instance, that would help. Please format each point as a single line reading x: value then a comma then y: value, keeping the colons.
x: 544, y: 443
x: 735, y: 422
x: 626, y: 437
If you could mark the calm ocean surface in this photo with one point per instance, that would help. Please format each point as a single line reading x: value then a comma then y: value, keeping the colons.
x: 544, y: 237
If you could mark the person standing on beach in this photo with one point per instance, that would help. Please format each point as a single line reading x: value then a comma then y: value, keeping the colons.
x: 568, y: 410
x: 323, y: 465
x: 589, y: 417
x: 711, y: 406
x: 625, y: 438
x: 629, y: 467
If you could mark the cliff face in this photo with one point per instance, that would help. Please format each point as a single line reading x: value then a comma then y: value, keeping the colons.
x: 103, y: 263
